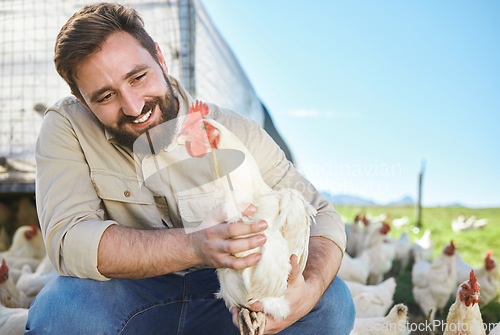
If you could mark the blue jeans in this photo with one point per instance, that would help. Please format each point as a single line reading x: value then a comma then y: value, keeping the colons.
x: 167, y: 304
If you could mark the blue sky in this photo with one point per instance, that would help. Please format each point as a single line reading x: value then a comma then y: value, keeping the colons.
x: 364, y: 91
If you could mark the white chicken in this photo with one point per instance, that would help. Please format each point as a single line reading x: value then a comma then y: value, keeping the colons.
x: 464, y: 223
x: 487, y: 276
x: 381, y: 253
x: 370, y: 233
x: 378, y: 219
x: 354, y: 237
x: 355, y: 269
x: 372, y: 300
x: 286, y: 211
x: 434, y: 283
x: 395, y: 323
x: 13, y: 320
x: 488, y: 279
x: 9, y: 294
x: 398, y: 223
x: 459, y: 223
x: 464, y: 317
x: 348, y: 225
x: 403, y: 246
x: 463, y: 268
x: 287, y: 214
x: 27, y: 248
x: 31, y: 283
x: 363, y: 234
x: 423, y: 248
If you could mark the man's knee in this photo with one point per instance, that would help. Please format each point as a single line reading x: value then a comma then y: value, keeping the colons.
x: 334, y: 313
x: 337, y: 307
x: 68, y: 306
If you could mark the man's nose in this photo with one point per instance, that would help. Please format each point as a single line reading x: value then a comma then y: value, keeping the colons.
x: 131, y: 104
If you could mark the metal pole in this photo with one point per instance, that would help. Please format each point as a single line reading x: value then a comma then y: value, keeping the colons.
x: 419, y: 200
x: 187, y: 18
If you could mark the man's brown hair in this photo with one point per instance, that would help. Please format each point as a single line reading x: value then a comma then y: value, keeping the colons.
x: 88, y: 29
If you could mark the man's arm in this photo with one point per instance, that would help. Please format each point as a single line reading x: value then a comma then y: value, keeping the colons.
x: 134, y: 253
x: 81, y: 242
x: 322, y: 265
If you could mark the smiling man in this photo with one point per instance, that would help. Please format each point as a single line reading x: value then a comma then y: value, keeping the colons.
x: 126, y: 262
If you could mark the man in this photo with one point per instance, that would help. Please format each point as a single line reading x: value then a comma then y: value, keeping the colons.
x: 126, y: 262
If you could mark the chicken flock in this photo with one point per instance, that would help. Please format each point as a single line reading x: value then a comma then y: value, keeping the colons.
x: 369, y: 257
x: 365, y: 265
x: 25, y: 269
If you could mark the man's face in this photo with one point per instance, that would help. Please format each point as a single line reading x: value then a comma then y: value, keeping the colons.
x: 126, y: 88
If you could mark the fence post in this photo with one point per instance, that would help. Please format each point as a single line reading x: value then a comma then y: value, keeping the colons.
x: 419, y: 199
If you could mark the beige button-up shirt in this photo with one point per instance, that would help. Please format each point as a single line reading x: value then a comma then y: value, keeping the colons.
x: 87, y: 182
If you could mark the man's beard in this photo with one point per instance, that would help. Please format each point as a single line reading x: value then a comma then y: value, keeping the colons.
x: 168, y: 112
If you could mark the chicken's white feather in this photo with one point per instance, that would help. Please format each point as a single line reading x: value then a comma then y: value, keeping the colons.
x: 288, y: 215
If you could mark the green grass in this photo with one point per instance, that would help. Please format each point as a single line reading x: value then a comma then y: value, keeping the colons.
x: 472, y: 244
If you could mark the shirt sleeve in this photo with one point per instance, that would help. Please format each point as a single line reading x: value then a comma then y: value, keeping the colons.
x: 280, y: 173
x: 69, y: 209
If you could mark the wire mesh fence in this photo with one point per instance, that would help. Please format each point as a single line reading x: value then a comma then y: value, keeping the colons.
x: 194, y: 51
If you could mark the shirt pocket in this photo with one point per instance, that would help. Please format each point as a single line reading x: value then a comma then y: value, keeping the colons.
x: 194, y: 204
x: 114, y: 187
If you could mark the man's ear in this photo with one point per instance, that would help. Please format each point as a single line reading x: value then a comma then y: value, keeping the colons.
x: 163, y: 64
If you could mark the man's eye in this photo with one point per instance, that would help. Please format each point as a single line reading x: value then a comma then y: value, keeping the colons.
x: 140, y: 77
x: 105, y: 98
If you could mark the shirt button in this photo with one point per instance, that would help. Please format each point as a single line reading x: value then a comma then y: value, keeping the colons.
x: 126, y: 193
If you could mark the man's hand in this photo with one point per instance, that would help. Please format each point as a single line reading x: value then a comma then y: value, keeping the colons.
x: 301, y: 296
x: 305, y: 289
x: 216, y: 245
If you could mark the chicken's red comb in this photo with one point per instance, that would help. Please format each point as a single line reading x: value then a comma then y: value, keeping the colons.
x: 4, y: 267
x: 450, y: 249
x: 489, y: 261
x: 29, y: 234
x: 365, y: 220
x: 385, y: 228
x: 200, y: 107
x: 473, y: 281
x: 4, y: 272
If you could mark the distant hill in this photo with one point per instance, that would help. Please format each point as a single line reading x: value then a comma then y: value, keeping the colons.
x: 349, y: 199
x: 404, y: 201
x: 451, y: 204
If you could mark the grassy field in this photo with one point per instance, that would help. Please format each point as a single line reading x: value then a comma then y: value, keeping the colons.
x: 472, y: 244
